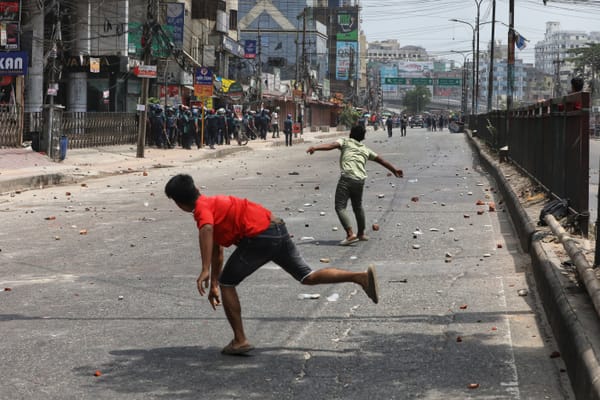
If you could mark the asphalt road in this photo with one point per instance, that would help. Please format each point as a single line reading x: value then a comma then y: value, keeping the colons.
x: 102, y: 278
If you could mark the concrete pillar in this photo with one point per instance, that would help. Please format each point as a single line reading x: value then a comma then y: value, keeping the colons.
x: 34, y: 81
x: 77, y: 81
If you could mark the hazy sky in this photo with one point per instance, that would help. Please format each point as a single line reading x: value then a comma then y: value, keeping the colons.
x: 426, y: 22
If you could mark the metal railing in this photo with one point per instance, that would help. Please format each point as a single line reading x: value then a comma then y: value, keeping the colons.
x: 90, y: 129
x: 549, y: 141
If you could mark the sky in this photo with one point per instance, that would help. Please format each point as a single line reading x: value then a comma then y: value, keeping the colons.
x: 426, y: 23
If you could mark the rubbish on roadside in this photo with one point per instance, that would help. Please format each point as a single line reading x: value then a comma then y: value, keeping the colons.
x: 499, y: 245
x: 293, y: 173
x: 120, y: 297
x: 398, y: 281
x: 97, y: 373
x: 416, y: 246
x: 491, y: 206
x: 307, y: 205
x: 466, y: 216
x: 486, y: 255
x: 448, y: 255
x: 52, y: 218
x: 311, y: 296
x: 555, y: 354
x: 473, y: 385
x: 322, y: 213
x: 83, y: 232
x: 479, y: 212
x: 334, y: 228
x: 522, y: 292
x: 450, y: 229
x: 463, y: 307
x: 380, y: 195
x: 300, y: 210
x: 325, y: 260
x: 470, y: 193
x: 333, y: 297
x: 307, y: 238
x: 414, y: 199
x: 479, y: 203
x: 413, y: 180
x: 353, y: 257
x: 375, y: 227
x: 433, y: 230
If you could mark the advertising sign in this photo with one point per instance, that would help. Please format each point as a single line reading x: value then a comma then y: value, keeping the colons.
x: 9, y: 11
x: 415, y: 67
x: 346, y: 60
x: 250, y: 49
x: 13, y: 63
x: 347, y: 25
x: 203, y: 76
x: 145, y: 71
x: 203, y: 82
x: 175, y: 19
x: 9, y: 36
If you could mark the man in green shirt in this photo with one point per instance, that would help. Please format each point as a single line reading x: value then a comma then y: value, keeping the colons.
x: 353, y: 158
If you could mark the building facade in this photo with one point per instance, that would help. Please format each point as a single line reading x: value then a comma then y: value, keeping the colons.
x: 552, y: 54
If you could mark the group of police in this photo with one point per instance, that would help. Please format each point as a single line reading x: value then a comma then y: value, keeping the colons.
x: 186, y: 127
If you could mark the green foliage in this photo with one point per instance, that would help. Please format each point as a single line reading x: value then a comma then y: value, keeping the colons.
x: 417, y: 100
x: 587, y: 63
x: 349, y: 116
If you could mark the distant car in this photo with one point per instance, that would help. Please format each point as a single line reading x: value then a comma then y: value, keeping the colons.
x: 416, y: 121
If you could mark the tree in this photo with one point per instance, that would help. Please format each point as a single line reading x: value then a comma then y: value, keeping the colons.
x: 417, y: 99
x: 587, y: 64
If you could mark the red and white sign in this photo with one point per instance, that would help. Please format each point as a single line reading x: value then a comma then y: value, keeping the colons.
x: 145, y: 71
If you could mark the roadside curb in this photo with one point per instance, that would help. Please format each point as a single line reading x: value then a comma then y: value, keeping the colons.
x: 575, y: 346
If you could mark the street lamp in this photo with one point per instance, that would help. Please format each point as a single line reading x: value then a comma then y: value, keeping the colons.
x: 473, y: 28
x: 465, y: 93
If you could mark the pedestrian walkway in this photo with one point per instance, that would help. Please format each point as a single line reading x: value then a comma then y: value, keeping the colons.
x: 23, y: 169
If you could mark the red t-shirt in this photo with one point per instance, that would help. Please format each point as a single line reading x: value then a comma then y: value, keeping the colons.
x: 232, y: 218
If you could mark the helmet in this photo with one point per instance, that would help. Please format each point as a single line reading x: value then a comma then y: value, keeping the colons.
x: 289, y: 115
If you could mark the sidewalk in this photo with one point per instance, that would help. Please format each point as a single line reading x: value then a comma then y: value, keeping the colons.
x: 24, y: 169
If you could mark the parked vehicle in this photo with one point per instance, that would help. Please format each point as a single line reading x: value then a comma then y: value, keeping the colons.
x: 416, y: 120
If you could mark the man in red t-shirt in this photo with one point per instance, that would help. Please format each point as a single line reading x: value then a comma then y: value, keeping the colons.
x: 259, y: 237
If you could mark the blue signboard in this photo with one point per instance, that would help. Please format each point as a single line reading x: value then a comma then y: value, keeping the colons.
x: 250, y: 49
x: 13, y: 63
x: 175, y: 19
x: 203, y: 76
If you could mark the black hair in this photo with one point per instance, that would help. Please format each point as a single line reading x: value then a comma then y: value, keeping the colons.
x: 181, y: 189
x: 358, y: 133
x: 577, y: 84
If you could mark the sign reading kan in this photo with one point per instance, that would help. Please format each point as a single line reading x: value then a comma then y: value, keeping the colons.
x: 13, y: 63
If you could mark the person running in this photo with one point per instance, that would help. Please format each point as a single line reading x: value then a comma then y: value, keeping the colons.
x: 259, y: 237
x: 353, y: 158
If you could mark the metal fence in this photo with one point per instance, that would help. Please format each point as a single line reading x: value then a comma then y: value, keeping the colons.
x: 550, y: 142
x: 89, y: 129
x: 11, y: 123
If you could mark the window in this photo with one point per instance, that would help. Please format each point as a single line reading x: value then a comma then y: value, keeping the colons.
x: 204, y: 9
x: 233, y: 19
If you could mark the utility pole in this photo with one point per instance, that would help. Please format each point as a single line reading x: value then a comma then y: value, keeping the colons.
x: 151, y: 21
x: 491, y: 63
x: 510, y: 66
x: 259, y: 67
x: 478, y: 3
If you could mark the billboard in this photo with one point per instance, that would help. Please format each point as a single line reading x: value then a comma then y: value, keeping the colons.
x: 346, y: 62
x: 9, y: 11
x: 13, y: 63
x: 415, y: 68
x: 175, y: 19
x: 347, y: 25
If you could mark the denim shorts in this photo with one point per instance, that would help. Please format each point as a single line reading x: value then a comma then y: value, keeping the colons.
x: 273, y: 244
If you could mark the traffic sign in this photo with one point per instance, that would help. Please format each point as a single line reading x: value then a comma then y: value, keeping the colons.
x: 449, y: 81
x: 421, y: 81
x: 394, y: 81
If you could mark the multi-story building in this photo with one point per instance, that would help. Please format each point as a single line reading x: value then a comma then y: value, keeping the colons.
x: 89, y: 50
x: 552, y: 54
x: 500, y: 83
x: 390, y: 50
